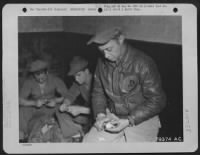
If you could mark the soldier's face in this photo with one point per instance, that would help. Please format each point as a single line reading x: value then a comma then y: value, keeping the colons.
x: 41, y: 76
x: 111, y: 50
x: 81, y: 77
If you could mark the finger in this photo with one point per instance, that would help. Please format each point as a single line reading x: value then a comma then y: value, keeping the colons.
x: 117, y: 129
x: 61, y: 108
x: 97, y: 126
x: 74, y: 114
x: 69, y: 110
x: 65, y: 108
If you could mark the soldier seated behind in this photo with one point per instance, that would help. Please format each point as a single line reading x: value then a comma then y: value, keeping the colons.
x: 38, y: 94
x: 81, y: 87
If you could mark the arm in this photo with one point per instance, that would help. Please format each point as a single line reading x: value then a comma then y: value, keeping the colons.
x: 24, y: 93
x: 61, y: 89
x: 25, y: 102
x: 70, y: 97
x: 77, y: 110
x: 73, y: 93
x: 154, y: 97
x: 98, y: 96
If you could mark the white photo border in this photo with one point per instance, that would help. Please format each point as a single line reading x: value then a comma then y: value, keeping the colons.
x: 10, y: 15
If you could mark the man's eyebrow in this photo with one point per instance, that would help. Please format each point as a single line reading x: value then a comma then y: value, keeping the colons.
x: 103, y: 48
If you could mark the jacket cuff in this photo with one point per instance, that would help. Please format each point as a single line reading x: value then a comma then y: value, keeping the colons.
x: 99, y: 110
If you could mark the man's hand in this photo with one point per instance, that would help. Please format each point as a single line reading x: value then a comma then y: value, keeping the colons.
x: 51, y: 103
x: 63, y: 107
x: 75, y: 110
x: 39, y: 103
x: 121, y: 125
x: 100, y: 121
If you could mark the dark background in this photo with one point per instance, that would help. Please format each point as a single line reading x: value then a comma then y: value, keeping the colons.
x: 59, y: 47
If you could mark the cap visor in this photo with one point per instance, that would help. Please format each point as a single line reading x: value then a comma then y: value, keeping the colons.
x: 90, y: 41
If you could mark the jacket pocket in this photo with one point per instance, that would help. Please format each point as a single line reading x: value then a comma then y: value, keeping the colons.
x: 128, y: 83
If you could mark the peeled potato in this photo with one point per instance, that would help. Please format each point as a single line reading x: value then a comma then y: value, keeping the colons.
x: 110, y: 125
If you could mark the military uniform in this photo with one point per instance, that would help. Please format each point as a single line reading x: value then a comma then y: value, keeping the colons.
x: 76, y: 90
x: 84, y: 91
x: 31, y: 90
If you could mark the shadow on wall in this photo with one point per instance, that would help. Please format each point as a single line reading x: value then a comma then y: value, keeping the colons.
x: 59, y: 48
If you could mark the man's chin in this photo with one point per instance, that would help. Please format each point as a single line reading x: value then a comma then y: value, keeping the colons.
x: 79, y: 83
x: 111, y: 61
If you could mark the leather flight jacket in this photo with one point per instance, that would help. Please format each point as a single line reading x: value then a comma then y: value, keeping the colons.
x: 130, y: 88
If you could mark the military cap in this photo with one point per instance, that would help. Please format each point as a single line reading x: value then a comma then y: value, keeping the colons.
x: 105, y: 35
x: 38, y: 65
x: 77, y: 64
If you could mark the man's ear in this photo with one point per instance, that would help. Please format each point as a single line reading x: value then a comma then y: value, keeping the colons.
x: 121, y: 38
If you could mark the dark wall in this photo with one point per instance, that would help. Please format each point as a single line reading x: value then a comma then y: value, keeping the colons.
x: 169, y: 62
x: 59, y: 48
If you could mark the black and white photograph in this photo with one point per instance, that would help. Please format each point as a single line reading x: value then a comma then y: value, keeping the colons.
x: 100, y: 79
x: 105, y: 87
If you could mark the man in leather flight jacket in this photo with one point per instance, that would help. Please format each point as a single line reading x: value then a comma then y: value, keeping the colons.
x: 127, y: 91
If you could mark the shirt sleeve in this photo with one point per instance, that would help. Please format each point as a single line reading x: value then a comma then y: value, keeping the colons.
x: 73, y: 92
x: 98, y: 95
x: 154, y: 96
x: 25, y: 90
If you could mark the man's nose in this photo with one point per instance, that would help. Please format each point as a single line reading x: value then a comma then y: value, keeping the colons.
x: 106, y: 55
x: 77, y: 79
x: 40, y: 76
